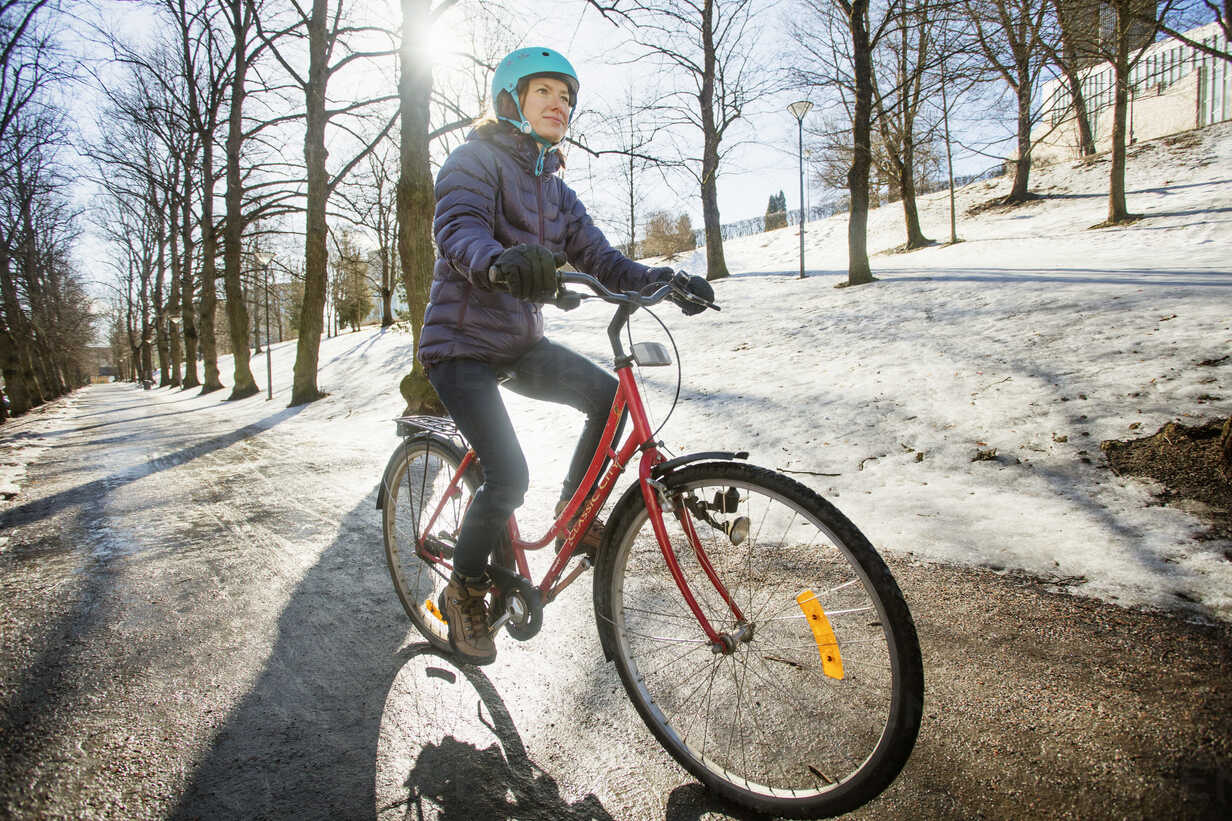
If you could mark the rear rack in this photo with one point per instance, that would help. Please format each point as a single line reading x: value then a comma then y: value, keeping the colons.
x: 409, y: 426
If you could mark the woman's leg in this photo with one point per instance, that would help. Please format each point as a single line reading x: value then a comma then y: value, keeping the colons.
x: 469, y: 391
x: 554, y: 373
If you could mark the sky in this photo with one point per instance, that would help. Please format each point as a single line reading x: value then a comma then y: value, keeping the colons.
x: 1035, y: 338
x: 764, y: 158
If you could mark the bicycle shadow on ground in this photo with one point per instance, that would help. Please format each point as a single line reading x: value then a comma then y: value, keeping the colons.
x: 469, y: 758
x: 693, y: 802
x: 344, y: 720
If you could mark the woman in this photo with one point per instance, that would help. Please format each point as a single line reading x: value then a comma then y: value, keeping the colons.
x: 499, y: 203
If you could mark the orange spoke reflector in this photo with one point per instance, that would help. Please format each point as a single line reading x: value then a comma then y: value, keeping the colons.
x: 823, y: 634
x: 431, y: 607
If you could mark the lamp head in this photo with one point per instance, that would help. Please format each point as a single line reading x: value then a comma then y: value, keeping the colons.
x: 799, y: 108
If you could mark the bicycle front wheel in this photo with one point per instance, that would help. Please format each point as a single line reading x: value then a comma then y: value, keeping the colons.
x: 813, y: 705
x: 421, y: 514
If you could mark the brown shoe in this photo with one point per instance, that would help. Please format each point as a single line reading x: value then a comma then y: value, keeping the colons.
x: 466, y: 611
x: 589, y: 543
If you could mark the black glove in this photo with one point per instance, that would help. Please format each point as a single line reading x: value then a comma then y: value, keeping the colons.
x: 662, y: 274
x: 529, y: 271
x: 698, y: 287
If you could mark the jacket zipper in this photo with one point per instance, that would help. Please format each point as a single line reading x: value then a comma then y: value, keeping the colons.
x: 539, y: 201
x: 530, y: 310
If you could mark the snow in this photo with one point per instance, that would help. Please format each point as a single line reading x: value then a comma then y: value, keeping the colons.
x: 1035, y: 338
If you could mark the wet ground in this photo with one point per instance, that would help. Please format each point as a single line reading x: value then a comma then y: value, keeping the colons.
x: 197, y: 625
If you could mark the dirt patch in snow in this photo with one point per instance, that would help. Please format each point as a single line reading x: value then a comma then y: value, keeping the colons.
x: 1185, y: 460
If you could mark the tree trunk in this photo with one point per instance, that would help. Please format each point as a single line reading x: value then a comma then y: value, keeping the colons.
x: 387, y: 312
x: 176, y: 350
x: 1086, y: 140
x: 716, y: 265
x: 187, y: 317
x: 312, y: 313
x: 858, y: 272
x: 1076, y: 46
x: 160, y: 313
x: 416, y: 201
x: 209, y: 273
x: 1022, y: 165
x: 237, y: 307
x: 1117, y: 209
x: 22, y: 336
x: 15, y: 385
x: 906, y: 184
x: 949, y: 163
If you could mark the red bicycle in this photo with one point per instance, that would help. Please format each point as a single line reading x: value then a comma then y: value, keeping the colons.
x: 756, y: 630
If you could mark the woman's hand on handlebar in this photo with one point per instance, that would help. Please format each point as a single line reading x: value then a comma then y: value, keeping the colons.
x: 528, y: 272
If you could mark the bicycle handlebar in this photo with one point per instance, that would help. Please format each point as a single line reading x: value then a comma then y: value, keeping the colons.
x: 676, y: 288
x: 566, y: 300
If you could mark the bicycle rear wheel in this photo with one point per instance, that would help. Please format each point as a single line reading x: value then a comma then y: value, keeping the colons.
x: 417, y: 483
x: 815, y: 708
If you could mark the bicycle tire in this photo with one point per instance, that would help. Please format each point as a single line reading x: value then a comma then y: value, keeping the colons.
x: 415, y: 480
x: 765, y: 726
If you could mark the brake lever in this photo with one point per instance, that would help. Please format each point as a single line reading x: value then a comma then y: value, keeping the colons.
x: 679, y: 285
x: 566, y: 300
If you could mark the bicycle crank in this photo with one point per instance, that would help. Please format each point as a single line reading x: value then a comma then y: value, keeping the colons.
x: 521, y: 607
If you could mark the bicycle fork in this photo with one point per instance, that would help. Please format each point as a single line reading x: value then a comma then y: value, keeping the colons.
x: 724, y: 643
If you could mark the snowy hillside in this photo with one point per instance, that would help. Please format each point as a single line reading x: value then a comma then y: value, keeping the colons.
x: 1035, y: 337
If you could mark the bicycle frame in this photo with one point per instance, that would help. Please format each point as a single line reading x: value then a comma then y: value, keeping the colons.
x: 586, y: 504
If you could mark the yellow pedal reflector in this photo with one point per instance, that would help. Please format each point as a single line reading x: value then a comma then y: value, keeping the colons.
x: 823, y: 634
x: 431, y: 607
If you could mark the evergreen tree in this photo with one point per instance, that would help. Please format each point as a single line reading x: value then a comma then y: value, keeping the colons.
x: 776, y: 212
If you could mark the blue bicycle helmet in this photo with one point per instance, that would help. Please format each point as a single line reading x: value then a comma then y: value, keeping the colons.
x: 523, y: 64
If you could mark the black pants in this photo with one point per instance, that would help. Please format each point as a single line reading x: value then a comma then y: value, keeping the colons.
x: 468, y: 388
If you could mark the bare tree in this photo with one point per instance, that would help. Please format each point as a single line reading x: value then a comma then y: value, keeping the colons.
x: 241, y: 16
x: 899, y: 97
x: 416, y: 200
x: 712, y: 46
x: 1126, y: 44
x: 371, y: 203
x: 143, y: 156
x: 1070, y: 51
x: 205, y: 68
x: 30, y: 65
x: 837, y: 39
x: 1011, y: 35
x: 333, y: 44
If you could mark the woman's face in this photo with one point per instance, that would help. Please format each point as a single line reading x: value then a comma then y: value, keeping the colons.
x: 545, y: 105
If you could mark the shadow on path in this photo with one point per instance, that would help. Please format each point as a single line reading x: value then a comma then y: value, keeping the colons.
x: 338, y: 684
x: 39, y: 509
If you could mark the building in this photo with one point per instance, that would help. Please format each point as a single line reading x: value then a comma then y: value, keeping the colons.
x: 1173, y: 88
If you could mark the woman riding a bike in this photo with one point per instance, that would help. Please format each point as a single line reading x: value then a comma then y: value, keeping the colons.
x: 501, y: 209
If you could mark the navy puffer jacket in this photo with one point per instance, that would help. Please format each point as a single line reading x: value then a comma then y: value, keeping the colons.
x: 488, y: 199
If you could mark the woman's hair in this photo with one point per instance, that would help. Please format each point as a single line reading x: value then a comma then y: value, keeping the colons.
x: 503, y: 105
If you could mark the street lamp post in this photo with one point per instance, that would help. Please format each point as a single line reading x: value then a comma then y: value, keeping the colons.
x: 798, y: 110
x: 267, y: 257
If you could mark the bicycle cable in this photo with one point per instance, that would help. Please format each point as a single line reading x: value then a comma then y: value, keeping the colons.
x: 675, y: 359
